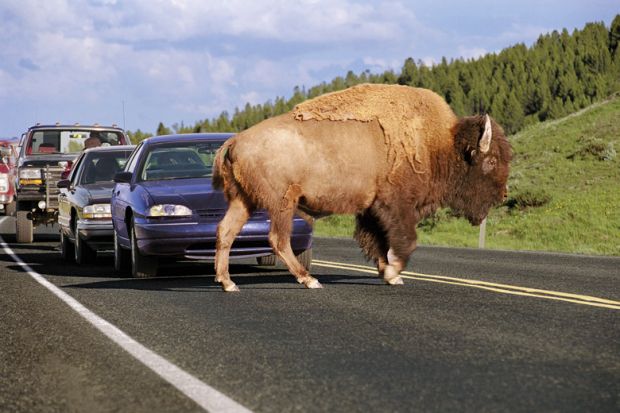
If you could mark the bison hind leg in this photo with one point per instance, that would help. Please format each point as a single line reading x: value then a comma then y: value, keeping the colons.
x: 228, y: 228
x: 280, y: 236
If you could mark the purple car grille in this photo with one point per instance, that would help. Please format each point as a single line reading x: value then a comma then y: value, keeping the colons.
x: 211, y: 214
x: 218, y: 214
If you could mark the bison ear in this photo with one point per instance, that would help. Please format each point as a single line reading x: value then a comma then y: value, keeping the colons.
x: 485, y: 140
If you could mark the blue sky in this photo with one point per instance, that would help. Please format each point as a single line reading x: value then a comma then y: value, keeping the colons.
x: 186, y: 60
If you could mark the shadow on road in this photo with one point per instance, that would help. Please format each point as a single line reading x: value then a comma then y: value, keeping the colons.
x: 188, y: 283
x: 43, y: 256
x: 9, y: 238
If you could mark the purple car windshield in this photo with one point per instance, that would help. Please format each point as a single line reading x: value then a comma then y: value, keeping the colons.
x: 181, y: 160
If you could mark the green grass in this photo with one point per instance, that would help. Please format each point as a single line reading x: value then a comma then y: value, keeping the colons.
x: 564, y: 192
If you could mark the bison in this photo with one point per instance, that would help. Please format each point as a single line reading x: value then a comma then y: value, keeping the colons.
x: 389, y: 154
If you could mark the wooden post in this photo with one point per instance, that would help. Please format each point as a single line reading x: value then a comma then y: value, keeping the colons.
x: 482, y: 236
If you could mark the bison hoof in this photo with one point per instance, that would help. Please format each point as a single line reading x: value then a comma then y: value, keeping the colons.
x: 395, y: 280
x: 313, y: 283
x: 230, y: 287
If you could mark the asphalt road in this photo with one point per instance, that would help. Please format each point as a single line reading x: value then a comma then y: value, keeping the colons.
x: 470, y: 330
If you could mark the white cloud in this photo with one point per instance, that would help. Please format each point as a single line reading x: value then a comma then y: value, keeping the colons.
x: 185, y: 60
x: 253, y: 98
x: 147, y: 20
x: 471, y: 52
x: 381, y: 65
x: 429, y: 61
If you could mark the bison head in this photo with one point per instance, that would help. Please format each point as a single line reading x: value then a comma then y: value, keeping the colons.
x: 483, y: 157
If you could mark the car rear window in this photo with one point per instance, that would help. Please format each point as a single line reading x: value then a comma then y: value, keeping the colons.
x: 102, y: 166
x: 71, y: 141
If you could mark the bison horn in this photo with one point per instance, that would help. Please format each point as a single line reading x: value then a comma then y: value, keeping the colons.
x: 485, y: 141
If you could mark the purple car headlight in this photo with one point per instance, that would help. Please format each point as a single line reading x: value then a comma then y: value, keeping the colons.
x: 168, y: 210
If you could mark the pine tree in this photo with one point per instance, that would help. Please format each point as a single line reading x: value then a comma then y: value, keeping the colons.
x: 614, y: 72
x: 409, y: 73
x: 514, y: 115
x: 614, y: 35
x: 138, y: 136
x: 162, y: 129
x: 556, y: 109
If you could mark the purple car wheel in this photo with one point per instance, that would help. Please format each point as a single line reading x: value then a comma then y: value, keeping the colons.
x: 305, y: 258
x: 142, y: 266
x: 267, y: 260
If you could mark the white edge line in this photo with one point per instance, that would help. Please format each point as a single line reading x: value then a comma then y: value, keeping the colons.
x: 204, y: 395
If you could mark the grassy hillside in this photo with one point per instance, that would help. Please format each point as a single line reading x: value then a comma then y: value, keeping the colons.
x: 564, y: 191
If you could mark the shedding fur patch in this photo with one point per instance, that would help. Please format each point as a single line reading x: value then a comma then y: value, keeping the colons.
x: 291, y: 197
x: 398, y: 109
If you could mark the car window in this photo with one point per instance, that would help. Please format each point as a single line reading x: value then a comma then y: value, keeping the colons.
x: 75, y: 169
x: 7, y: 150
x: 180, y: 160
x: 130, y: 166
x: 102, y: 166
x: 70, y: 141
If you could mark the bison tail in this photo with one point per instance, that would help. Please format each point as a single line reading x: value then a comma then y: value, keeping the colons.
x: 222, y: 167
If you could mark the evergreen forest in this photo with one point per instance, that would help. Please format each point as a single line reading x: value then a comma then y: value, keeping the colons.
x: 559, y: 74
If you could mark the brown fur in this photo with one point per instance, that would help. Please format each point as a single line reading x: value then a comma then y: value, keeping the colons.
x: 323, y: 167
x: 403, y: 112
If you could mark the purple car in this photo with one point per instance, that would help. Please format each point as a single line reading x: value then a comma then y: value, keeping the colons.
x: 163, y: 204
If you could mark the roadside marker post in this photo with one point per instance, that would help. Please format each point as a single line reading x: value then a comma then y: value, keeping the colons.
x: 482, y: 235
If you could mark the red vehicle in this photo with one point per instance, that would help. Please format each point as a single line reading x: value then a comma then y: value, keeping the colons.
x: 8, y: 155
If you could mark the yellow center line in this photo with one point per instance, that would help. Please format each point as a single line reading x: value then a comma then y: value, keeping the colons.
x: 485, y: 285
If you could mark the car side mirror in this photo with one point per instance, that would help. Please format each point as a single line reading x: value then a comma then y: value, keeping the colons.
x: 63, y: 183
x: 123, y: 177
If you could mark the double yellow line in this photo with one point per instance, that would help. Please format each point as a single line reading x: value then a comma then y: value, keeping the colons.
x: 484, y: 285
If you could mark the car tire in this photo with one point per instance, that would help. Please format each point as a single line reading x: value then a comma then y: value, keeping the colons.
x: 267, y: 260
x: 142, y: 266
x: 23, y: 228
x: 305, y: 258
x: 67, y: 251
x: 82, y: 252
x: 122, y: 258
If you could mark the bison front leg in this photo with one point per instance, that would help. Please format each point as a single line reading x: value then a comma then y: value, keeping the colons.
x: 280, y: 237
x: 400, y: 237
x: 236, y: 215
x: 401, y: 247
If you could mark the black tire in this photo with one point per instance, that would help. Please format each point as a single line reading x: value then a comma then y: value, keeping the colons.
x: 122, y: 258
x: 268, y: 260
x: 67, y: 251
x: 82, y: 252
x: 23, y: 228
x: 142, y: 266
x: 305, y: 258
